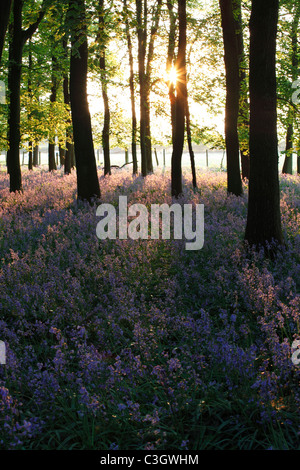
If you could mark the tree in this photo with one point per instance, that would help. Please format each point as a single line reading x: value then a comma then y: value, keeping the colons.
x: 132, y: 93
x: 263, y: 218
x: 243, y: 121
x: 231, y: 58
x: 18, y: 39
x: 180, y: 104
x: 87, y: 179
x: 145, y: 69
x: 53, y: 99
x: 102, y: 39
x: 288, y: 161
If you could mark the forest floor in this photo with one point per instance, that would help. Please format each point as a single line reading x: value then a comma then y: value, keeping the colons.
x: 141, y: 344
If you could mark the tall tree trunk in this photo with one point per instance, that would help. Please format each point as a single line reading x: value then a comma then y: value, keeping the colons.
x: 180, y: 103
x: 288, y: 161
x: 35, y: 160
x: 53, y: 97
x: 69, y: 134
x: 87, y: 178
x: 30, y: 153
x: 141, y: 18
x: 153, y: 33
x: 189, y: 140
x: 132, y: 94
x: 170, y: 61
x: 18, y: 40
x: 231, y: 58
x: 5, y: 7
x: 30, y: 156
x: 243, y: 122
x: 106, y: 126
x: 263, y: 218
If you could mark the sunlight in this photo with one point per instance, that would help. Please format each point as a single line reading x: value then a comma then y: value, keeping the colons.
x: 171, y: 76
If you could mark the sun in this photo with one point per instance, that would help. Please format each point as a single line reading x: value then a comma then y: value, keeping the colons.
x: 171, y: 76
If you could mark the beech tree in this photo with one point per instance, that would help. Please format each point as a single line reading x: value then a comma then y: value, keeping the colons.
x: 145, y: 59
x: 289, y: 147
x: 18, y: 38
x: 102, y: 39
x: 87, y: 178
x: 263, y: 218
x: 231, y: 58
x: 180, y: 103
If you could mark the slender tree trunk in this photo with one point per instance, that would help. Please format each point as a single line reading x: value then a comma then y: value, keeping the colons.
x: 87, y: 178
x: 18, y: 40
x: 35, y: 161
x: 106, y: 126
x: 288, y: 161
x: 69, y: 134
x: 180, y: 104
x: 5, y: 7
x: 170, y: 61
x: 141, y: 17
x: 132, y: 94
x: 231, y: 58
x: 30, y: 156
x: 263, y: 218
x: 190, y: 146
x: 243, y: 123
x: 53, y: 97
x: 14, y: 86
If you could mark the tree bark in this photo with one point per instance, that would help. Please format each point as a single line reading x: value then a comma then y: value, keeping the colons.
x: 87, y: 178
x: 53, y: 97
x: 243, y: 122
x: 263, y: 218
x: 180, y: 103
x: 231, y: 58
x: 69, y: 134
x: 288, y: 161
x: 132, y: 94
x: 18, y: 40
x: 106, y: 125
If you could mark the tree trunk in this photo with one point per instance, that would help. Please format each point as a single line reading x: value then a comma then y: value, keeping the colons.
x: 87, y: 178
x: 141, y: 18
x: 35, y: 161
x: 53, y: 97
x: 231, y: 58
x: 106, y: 126
x: 180, y: 102
x: 170, y: 61
x: 30, y: 156
x: 132, y: 94
x: 190, y: 146
x: 288, y: 161
x: 18, y: 40
x: 14, y: 86
x: 263, y: 218
x: 69, y: 134
x: 5, y: 7
x: 243, y: 122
